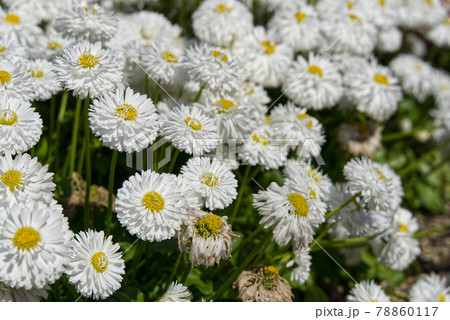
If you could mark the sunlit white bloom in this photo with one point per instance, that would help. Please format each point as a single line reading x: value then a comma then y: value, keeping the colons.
x: 19, y: 25
x: 440, y: 34
x: 41, y: 9
x: 23, y: 179
x: 151, y: 206
x: 389, y: 40
x: 15, y: 81
x: 257, y: 98
x: 124, y: 120
x: 313, y: 83
x: 34, y: 240
x: 193, y: 199
x: 220, y: 22
x: 207, y: 237
x: 441, y: 88
x: 95, y: 265
x: 87, y: 69
x: 44, y: 78
x: 20, y: 125
x: 8, y: 294
x: 367, y: 291
x: 415, y: 14
x: 380, y: 187
x: 190, y: 130
x: 176, y: 292
x: 12, y: 51
x: 51, y: 44
x: 212, y: 179
x: 431, y: 288
x: 302, y: 266
x: 416, y: 45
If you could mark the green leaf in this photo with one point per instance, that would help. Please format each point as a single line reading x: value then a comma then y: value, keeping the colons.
x: 430, y: 198
x: 129, y: 252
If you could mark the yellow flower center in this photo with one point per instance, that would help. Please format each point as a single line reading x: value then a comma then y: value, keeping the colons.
x: 312, y: 193
x: 225, y: 106
x: 54, y: 45
x: 270, y: 48
x: 209, y: 225
x: 146, y: 34
x: 36, y: 74
x: 313, y: 175
x: 313, y: 69
x: 381, y: 79
x: 87, y: 10
x: 12, y: 18
x: 299, y: 203
x: 222, y: 8
x: 403, y: 228
x: 3, y: 48
x: 447, y: 21
x: 268, y: 119
x: 302, y: 116
x: 26, y: 238
x: 269, y: 271
x: 382, y: 176
x: 100, y: 261
x: 88, y: 60
x: 13, y: 179
x: 373, y: 300
x: 210, y: 179
x: 261, y: 139
x: 382, y: 3
x: 441, y: 298
x: 418, y: 67
x: 223, y: 57
x: 354, y: 17
x: 349, y: 4
x: 430, y: 2
x: 194, y: 124
x: 8, y: 117
x: 5, y: 76
x: 126, y: 111
x: 169, y: 57
x: 300, y: 16
x: 153, y: 201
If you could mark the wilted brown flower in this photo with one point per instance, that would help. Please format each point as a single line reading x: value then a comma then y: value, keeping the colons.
x: 263, y: 284
x: 363, y: 139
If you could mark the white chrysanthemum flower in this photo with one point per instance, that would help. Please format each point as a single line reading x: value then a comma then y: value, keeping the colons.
x: 176, y: 292
x: 44, y: 78
x: 432, y: 288
x: 415, y: 75
x: 302, y: 266
x: 20, y: 26
x: 390, y: 40
x: 20, y: 125
x: 220, y: 22
x: 207, y: 237
x: 226, y: 153
x: 8, y: 294
x: 380, y: 187
x: 350, y: 32
x: 373, y: 89
x: 257, y: 98
x: 262, y: 148
x: 15, y: 81
x: 313, y: 83
x: 124, y: 120
x: 395, y: 247
x: 41, y: 9
x: 212, y: 179
x: 193, y: 199
x: 151, y: 206
x: 275, y: 5
x: 416, y: 14
x: 23, y: 179
x: 300, y: 130
x: 297, y: 26
x: 34, y: 240
x: 291, y: 211
x: 95, y: 265
x: 367, y: 291
x: 440, y: 34
x: 12, y: 51
x: 264, y: 61
x: 381, y: 12
x: 87, y: 69
x: 212, y: 67
x: 441, y: 88
x: 316, y: 179
x: 416, y: 45
x: 190, y: 130
x: 52, y: 44
x: 86, y: 22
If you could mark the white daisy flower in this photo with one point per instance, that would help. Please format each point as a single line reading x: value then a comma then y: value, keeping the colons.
x: 44, y: 78
x: 220, y: 22
x: 373, y: 89
x: 367, y: 291
x: 151, y: 206
x: 297, y: 26
x: 380, y: 186
x: 41, y: 9
x: 15, y: 81
x: 190, y: 130
x: 313, y: 83
x: 124, y: 120
x: 302, y: 266
x: 276, y: 5
x: 95, y: 265
x: 415, y: 14
x: 20, y: 26
x: 389, y: 40
x: 257, y: 98
x: 415, y: 75
x: 8, y: 294
x: 416, y: 45
x: 207, y: 237
x: 432, y: 288
x: 87, y: 69
x: 193, y: 199
x: 291, y: 211
x: 20, y: 125
x: 52, y: 44
x: 23, y: 179
x: 86, y: 22
x: 440, y: 34
x: 226, y: 153
x: 34, y: 240
x: 177, y: 292
x: 212, y: 179
x: 12, y: 51
x: 382, y: 13
x: 441, y: 88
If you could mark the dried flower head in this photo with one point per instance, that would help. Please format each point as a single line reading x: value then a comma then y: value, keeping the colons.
x: 363, y: 139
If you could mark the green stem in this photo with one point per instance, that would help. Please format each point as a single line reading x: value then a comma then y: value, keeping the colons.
x: 401, y: 135
x: 112, y: 169
x: 329, y: 214
x: 322, y: 234
x: 430, y: 232
x: 173, y: 160
x: 61, y: 113
x: 88, y: 163
x: 174, y: 269
x: 76, y: 124
x: 255, y: 173
x: 186, y: 273
x: 219, y: 293
x: 199, y: 93
x: 241, y: 193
